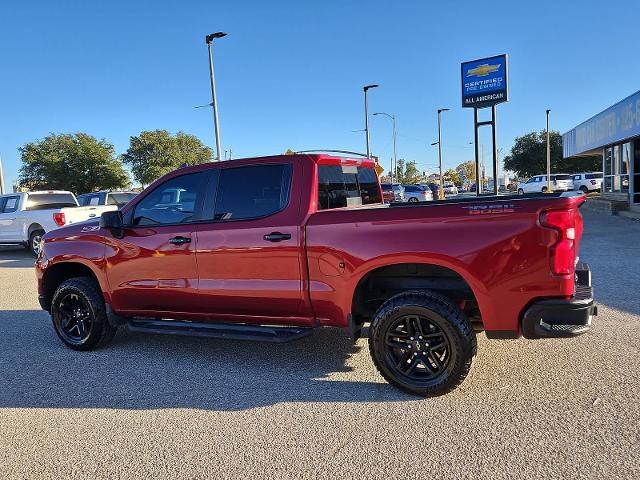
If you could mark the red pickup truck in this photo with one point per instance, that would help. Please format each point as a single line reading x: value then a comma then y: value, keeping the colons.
x: 271, y: 248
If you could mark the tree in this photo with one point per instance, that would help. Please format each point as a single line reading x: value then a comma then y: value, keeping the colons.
x: 467, y: 170
x: 407, y: 173
x: 528, y: 156
x: 152, y: 154
x: 453, y: 176
x: 76, y: 162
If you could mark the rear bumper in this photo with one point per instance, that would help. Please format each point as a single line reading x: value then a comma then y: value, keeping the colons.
x: 562, y: 317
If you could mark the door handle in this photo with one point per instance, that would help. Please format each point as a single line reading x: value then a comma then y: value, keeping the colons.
x: 179, y: 240
x: 277, y: 237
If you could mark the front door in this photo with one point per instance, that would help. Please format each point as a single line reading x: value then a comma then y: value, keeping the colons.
x: 152, y: 268
x: 250, y: 256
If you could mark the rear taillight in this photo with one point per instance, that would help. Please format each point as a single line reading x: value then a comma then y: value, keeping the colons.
x: 568, y: 227
x: 59, y: 219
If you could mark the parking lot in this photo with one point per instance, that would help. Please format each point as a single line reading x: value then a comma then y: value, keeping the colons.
x: 174, y: 407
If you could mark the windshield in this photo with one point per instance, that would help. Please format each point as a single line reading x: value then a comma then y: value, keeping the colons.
x: 120, y: 199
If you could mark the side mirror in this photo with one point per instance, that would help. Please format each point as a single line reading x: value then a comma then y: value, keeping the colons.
x: 113, y: 221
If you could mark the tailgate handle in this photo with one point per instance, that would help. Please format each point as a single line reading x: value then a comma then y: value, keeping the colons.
x: 277, y: 237
x: 179, y: 240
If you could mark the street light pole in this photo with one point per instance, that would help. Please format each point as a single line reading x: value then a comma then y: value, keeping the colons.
x: 441, y: 190
x: 209, y: 40
x: 548, y: 156
x: 394, y: 163
x: 366, y: 117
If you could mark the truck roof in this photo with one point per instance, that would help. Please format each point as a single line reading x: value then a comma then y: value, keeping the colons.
x: 320, y: 158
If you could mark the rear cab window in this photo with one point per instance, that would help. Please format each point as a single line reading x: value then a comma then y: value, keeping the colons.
x: 47, y: 201
x: 346, y: 186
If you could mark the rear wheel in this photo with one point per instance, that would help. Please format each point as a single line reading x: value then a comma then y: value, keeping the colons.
x: 544, y: 189
x: 584, y: 189
x: 413, y: 199
x: 520, y: 191
x: 422, y: 343
x: 35, y: 239
x: 79, y: 316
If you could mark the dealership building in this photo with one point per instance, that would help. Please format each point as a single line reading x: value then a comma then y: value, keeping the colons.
x: 615, y: 134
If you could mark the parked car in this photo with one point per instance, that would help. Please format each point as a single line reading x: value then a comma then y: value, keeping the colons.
x: 399, y: 192
x: 560, y: 182
x: 274, y: 262
x: 388, y: 195
x: 433, y: 187
x: 25, y: 217
x: 588, y: 182
x: 417, y: 193
x: 106, y: 197
x: 450, y: 189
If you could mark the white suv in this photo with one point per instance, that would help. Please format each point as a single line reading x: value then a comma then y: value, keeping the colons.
x: 588, y: 182
x: 560, y: 182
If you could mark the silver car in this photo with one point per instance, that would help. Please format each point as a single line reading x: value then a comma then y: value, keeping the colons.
x: 417, y: 193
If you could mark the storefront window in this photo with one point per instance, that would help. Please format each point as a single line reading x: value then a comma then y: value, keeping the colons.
x: 617, y: 162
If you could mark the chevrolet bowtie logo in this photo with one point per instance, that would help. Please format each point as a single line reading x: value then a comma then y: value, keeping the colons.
x: 482, y: 70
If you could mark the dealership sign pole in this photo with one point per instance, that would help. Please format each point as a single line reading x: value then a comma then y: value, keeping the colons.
x: 484, y: 84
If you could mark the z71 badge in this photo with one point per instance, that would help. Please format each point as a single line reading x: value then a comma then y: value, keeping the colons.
x: 91, y: 228
x: 490, y: 209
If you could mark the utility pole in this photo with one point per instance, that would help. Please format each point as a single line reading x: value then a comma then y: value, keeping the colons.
x: 548, y: 156
x: 366, y: 117
x: 209, y: 41
x: 439, y: 143
x: 2, y: 190
x: 394, y: 160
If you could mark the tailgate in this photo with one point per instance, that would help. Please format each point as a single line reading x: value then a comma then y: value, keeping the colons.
x: 82, y: 214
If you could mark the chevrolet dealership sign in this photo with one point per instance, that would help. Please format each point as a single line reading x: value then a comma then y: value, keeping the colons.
x: 484, y: 82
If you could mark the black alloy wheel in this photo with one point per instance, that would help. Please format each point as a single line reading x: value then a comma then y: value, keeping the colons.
x: 422, y: 343
x: 79, y: 314
x: 417, y: 348
x: 74, y: 318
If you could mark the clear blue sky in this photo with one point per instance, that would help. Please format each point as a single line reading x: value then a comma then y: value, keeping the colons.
x: 290, y: 73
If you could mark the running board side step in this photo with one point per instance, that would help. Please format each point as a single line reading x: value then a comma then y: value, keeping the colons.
x: 230, y: 331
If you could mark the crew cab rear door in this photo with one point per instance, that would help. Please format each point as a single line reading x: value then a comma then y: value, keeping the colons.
x: 249, y: 255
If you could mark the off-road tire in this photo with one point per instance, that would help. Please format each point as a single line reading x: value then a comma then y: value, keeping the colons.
x: 101, y: 332
x: 438, y: 310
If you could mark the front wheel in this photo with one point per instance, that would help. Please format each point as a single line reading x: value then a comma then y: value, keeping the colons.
x: 79, y: 316
x: 413, y: 199
x: 520, y: 191
x: 422, y: 343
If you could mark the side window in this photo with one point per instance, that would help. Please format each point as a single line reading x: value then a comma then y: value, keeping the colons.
x: 252, y: 191
x: 175, y: 201
x: 94, y: 200
x: 346, y: 186
x: 531, y: 180
x: 578, y: 177
x: 369, y: 189
x: 2, y: 202
x: 10, y: 205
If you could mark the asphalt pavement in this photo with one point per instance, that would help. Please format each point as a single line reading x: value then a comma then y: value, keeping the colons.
x: 174, y: 407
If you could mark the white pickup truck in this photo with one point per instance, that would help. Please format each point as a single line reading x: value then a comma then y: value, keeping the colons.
x: 25, y: 217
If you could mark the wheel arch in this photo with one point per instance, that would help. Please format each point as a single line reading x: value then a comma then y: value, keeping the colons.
x: 35, y: 226
x: 381, y: 281
x: 57, y: 273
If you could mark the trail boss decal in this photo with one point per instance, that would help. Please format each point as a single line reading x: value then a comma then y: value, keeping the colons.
x: 490, y: 209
